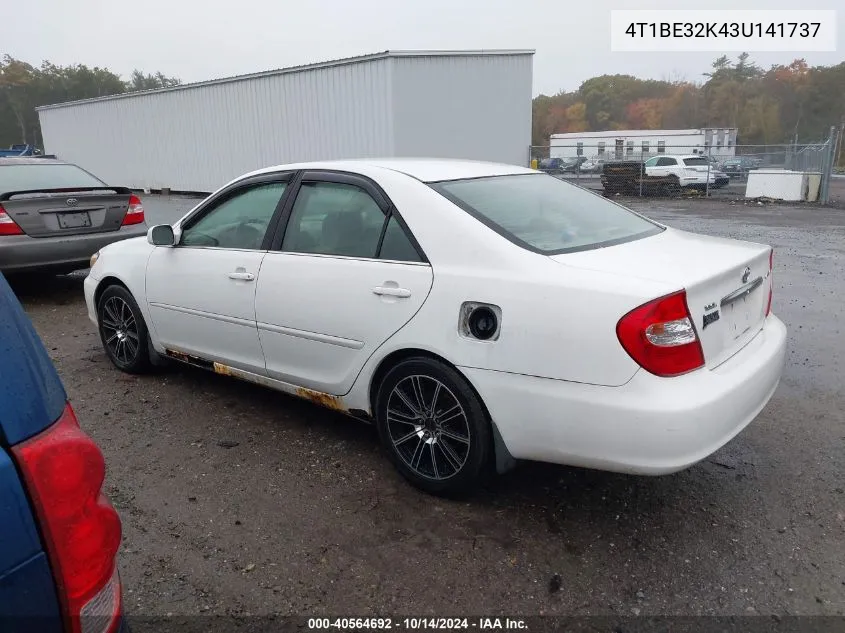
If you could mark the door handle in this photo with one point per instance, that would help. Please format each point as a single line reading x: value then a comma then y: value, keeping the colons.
x: 243, y: 276
x: 402, y: 293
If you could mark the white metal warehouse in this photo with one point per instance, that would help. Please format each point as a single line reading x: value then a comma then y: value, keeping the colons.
x: 196, y: 137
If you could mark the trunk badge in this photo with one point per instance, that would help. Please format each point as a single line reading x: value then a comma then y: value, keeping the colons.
x: 746, y: 274
x: 71, y: 202
x: 710, y: 318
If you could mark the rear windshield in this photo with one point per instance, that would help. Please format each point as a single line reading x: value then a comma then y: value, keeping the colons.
x: 692, y: 162
x: 546, y: 214
x: 46, y: 176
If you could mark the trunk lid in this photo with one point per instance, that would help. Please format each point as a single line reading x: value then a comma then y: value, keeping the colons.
x: 727, y: 282
x: 56, y: 212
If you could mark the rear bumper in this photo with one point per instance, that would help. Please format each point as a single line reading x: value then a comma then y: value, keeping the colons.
x: 648, y: 426
x: 21, y: 253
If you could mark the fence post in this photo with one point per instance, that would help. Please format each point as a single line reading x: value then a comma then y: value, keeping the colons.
x: 824, y: 194
x: 642, y: 163
x: 707, y: 184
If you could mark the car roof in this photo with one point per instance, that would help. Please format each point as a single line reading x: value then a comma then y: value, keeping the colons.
x: 24, y: 160
x: 423, y: 169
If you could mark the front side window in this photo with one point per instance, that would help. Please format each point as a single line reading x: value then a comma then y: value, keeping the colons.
x: 331, y: 218
x: 652, y: 162
x: 546, y: 214
x: 240, y: 221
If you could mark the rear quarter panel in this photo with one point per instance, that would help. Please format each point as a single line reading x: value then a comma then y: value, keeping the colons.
x: 557, y: 321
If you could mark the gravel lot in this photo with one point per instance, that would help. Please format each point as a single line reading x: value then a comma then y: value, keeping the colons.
x: 238, y: 500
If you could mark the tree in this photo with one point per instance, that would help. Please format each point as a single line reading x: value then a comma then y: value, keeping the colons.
x: 139, y: 81
x: 24, y: 87
x: 16, y: 79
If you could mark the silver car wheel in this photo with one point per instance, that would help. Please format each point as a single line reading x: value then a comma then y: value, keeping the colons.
x: 428, y: 427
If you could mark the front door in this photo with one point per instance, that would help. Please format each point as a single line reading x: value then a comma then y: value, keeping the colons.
x: 201, y: 292
x: 345, y: 277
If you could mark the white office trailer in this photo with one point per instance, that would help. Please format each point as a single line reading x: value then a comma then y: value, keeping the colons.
x: 637, y: 144
x: 196, y: 137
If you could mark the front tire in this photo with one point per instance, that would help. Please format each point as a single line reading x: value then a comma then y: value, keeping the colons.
x: 433, y: 427
x: 123, y: 331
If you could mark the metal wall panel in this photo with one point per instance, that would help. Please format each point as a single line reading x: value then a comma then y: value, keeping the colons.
x: 460, y: 104
x: 466, y: 106
x: 198, y: 138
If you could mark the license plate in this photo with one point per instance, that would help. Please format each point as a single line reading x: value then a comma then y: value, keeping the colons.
x: 740, y: 317
x: 74, y: 220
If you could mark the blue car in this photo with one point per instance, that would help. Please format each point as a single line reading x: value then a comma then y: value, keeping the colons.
x: 59, y: 535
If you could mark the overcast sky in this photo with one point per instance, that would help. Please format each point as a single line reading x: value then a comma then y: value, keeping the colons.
x: 204, y: 39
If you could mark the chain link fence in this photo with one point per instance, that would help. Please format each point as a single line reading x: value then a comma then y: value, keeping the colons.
x: 778, y: 172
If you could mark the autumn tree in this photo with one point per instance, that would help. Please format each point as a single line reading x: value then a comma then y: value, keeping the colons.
x: 768, y: 107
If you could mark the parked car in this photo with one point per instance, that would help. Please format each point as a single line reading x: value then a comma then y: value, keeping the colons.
x: 740, y: 166
x: 691, y: 170
x: 19, y: 149
x: 561, y: 165
x: 551, y: 165
x: 477, y: 313
x: 722, y: 179
x: 593, y: 166
x: 60, y: 536
x: 55, y: 215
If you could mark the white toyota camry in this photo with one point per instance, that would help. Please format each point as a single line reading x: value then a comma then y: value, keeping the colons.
x: 476, y: 313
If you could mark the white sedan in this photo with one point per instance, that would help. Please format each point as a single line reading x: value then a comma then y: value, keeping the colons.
x: 476, y: 313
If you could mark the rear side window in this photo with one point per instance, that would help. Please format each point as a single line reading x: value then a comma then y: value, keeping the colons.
x: 46, y: 176
x: 331, y: 218
x: 396, y: 246
x: 546, y: 214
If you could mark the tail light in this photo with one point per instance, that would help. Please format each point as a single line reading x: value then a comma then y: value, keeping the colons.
x: 64, y: 470
x: 135, y: 213
x: 771, y: 281
x: 660, y: 336
x: 7, y: 225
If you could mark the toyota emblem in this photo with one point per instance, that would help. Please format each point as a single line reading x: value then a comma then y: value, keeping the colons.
x: 72, y: 202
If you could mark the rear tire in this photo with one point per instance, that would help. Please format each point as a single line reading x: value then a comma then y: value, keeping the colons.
x: 433, y: 427
x: 123, y: 331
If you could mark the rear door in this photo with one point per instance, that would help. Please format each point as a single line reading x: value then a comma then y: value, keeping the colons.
x: 47, y: 199
x: 344, y: 275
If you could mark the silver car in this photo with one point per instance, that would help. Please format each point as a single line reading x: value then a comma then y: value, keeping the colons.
x: 55, y: 215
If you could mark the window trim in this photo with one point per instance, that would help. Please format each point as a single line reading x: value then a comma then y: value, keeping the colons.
x: 370, y: 186
x: 513, y: 239
x: 224, y: 195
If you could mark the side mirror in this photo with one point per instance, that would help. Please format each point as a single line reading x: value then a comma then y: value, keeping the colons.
x: 161, y: 235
